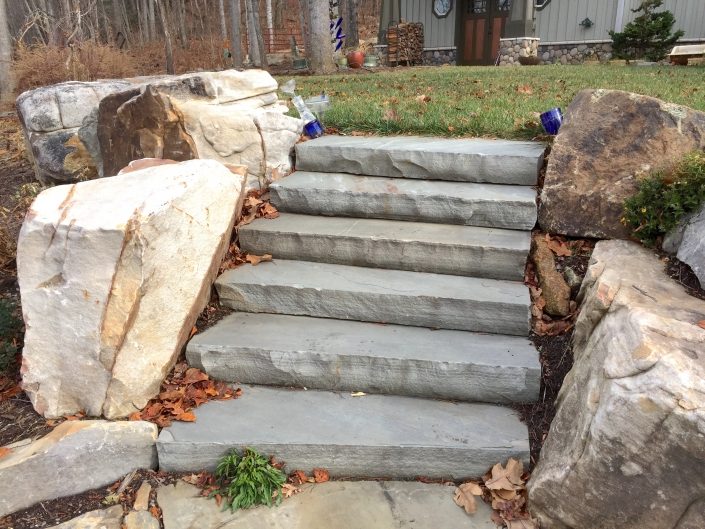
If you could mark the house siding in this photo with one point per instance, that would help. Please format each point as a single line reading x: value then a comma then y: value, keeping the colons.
x: 560, y: 20
x: 438, y: 32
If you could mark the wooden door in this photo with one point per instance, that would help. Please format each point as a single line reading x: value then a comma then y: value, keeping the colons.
x: 482, y: 25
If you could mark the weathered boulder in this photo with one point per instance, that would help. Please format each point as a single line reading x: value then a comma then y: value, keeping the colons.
x: 76, y: 456
x: 113, y: 274
x: 627, y: 446
x: 609, y: 140
x: 57, y: 121
x: 554, y: 289
x: 110, y: 518
x: 184, y: 118
x: 79, y: 131
x: 687, y: 241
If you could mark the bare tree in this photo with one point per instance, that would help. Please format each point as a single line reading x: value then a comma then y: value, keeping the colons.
x: 167, y: 37
x: 181, y: 12
x: 235, y: 33
x: 223, y: 23
x: 320, y: 50
x: 7, y: 85
x: 348, y: 11
x: 255, y: 44
x: 152, y: 20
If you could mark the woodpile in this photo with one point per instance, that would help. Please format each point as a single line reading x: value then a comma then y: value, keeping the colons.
x: 405, y: 44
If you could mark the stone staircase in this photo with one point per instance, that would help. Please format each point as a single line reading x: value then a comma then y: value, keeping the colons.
x: 397, y: 272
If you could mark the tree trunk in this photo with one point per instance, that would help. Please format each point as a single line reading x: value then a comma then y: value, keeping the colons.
x: 7, y: 84
x: 223, y: 23
x: 348, y: 10
x: 235, y: 33
x: 258, y: 57
x: 182, y: 23
x: 167, y: 37
x: 320, y: 52
x: 270, y: 26
x: 152, y: 20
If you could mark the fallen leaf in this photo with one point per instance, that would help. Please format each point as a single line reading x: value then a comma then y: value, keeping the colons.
x: 464, y: 496
x: 288, y: 490
x: 186, y: 417
x: 524, y: 89
x: 4, y: 451
x: 423, y: 98
x: 390, y: 115
x: 194, y: 375
x: 558, y: 247
x: 701, y: 324
x: 298, y: 477
x: 269, y: 211
x: 254, y: 260
x: 194, y: 330
x: 320, y: 475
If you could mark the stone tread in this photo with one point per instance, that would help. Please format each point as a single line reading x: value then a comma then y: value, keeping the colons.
x: 372, y: 435
x: 377, y: 295
x: 465, y: 160
x: 343, y: 355
x: 472, y: 204
x: 393, y: 244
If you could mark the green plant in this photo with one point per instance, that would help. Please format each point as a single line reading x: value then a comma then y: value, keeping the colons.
x: 248, y: 480
x: 9, y: 328
x: 664, y: 198
x: 648, y: 36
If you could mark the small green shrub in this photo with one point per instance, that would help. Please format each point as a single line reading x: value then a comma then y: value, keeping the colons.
x: 9, y: 328
x: 663, y: 199
x: 248, y: 480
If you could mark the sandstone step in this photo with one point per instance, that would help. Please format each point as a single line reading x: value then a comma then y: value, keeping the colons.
x: 340, y: 355
x: 464, y: 160
x: 368, y: 436
x: 377, y: 197
x: 394, y: 244
x: 377, y: 295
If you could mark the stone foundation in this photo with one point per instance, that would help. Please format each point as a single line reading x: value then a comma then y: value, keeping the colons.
x: 511, y: 51
x: 440, y: 57
x: 574, y: 53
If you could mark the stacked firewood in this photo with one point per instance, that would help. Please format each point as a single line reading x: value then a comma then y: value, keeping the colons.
x: 405, y: 43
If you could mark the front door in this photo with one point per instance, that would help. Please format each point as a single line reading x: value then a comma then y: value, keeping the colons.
x: 482, y: 25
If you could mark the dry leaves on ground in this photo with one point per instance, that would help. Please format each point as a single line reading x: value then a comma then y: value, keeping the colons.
x: 465, y: 496
x: 541, y: 323
x: 701, y: 324
x: 524, y: 89
x: 9, y: 387
x: 299, y: 477
x: 183, y: 390
x: 504, y: 488
x: 558, y: 246
x: 255, y: 206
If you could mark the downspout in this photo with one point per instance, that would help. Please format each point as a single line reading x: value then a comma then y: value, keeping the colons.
x: 619, y: 19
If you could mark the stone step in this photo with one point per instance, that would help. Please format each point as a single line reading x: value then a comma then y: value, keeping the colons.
x: 340, y: 355
x: 377, y: 295
x: 367, y: 436
x: 346, y: 195
x: 394, y: 244
x: 463, y: 160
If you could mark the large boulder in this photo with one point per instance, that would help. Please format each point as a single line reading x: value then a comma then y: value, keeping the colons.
x: 75, y: 457
x: 609, y: 140
x: 627, y: 446
x: 56, y: 121
x: 687, y: 241
x: 79, y: 131
x: 113, y: 274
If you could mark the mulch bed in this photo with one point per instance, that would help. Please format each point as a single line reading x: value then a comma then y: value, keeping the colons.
x: 682, y: 274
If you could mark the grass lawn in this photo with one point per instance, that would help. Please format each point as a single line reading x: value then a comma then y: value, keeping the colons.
x: 484, y: 101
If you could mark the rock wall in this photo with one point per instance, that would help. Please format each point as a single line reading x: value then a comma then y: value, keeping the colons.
x: 440, y: 57
x: 627, y: 446
x: 79, y: 131
x: 512, y: 50
x: 575, y: 53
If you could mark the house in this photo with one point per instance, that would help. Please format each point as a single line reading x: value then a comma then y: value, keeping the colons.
x: 566, y: 31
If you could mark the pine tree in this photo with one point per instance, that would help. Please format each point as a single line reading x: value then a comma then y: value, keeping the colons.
x: 648, y: 36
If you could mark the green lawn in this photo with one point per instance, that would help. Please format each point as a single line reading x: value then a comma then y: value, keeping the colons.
x: 484, y: 101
